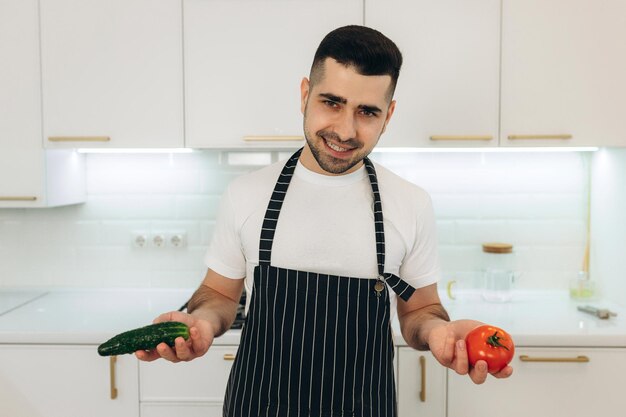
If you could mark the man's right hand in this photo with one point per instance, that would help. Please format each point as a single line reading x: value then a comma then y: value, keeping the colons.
x: 201, y: 336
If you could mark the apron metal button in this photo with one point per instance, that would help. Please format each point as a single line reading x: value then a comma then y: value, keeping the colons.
x: 379, y: 286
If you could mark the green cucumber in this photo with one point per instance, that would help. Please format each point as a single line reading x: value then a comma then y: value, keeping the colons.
x: 144, y: 338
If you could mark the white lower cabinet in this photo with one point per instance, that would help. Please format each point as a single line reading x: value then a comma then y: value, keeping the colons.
x: 181, y: 409
x: 66, y: 381
x: 73, y: 381
x: 573, y: 382
x: 195, y: 388
x: 421, y: 384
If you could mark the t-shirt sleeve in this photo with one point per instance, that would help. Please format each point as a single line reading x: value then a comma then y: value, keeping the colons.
x: 421, y: 265
x: 225, y: 255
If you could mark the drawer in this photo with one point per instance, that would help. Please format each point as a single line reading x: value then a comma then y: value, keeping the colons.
x: 181, y: 409
x: 201, y: 380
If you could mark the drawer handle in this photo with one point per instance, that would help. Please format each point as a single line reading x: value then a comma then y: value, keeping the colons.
x: 271, y: 138
x: 112, y: 362
x: 229, y: 357
x: 577, y: 359
x: 18, y: 198
x: 79, y: 139
x: 564, y: 136
x: 461, y: 137
x: 423, y: 377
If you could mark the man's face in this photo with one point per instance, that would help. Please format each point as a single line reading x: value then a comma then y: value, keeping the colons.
x: 344, y: 115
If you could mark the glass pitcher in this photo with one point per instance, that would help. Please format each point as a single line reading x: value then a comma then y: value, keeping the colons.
x: 498, y: 274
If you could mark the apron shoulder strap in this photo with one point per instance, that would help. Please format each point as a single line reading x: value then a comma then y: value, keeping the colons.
x: 400, y: 287
x: 273, y: 209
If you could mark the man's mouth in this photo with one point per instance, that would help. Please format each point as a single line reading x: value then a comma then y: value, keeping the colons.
x: 336, y: 147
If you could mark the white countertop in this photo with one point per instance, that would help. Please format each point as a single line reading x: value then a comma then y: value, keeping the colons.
x: 15, y: 298
x: 545, y: 318
x: 91, y: 316
x: 87, y: 316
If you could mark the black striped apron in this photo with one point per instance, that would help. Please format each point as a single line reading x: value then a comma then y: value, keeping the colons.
x: 315, y: 344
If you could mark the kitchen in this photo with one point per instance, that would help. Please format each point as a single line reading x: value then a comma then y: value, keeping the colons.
x: 101, y: 235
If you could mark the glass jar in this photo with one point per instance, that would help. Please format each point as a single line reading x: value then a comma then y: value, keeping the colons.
x: 498, y: 273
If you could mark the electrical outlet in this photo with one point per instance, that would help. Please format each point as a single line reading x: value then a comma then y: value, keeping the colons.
x: 177, y: 240
x: 158, y: 240
x: 139, y: 240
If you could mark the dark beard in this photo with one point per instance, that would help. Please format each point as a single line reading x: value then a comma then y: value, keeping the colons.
x: 327, y: 162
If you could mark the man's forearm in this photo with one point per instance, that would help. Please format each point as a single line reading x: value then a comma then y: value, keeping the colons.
x: 417, y: 324
x: 216, y: 308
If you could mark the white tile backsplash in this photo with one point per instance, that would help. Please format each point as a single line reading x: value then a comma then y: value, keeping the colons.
x: 535, y: 201
x: 608, y: 244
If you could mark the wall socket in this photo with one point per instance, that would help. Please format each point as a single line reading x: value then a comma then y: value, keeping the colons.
x: 172, y: 239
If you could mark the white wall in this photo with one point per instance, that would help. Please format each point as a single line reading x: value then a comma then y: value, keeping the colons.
x: 536, y: 201
x: 608, y: 223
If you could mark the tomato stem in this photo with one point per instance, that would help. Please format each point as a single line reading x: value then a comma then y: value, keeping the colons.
x: 494, y: 340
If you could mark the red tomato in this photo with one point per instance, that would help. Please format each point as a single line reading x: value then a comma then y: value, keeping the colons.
x: 490, y: 344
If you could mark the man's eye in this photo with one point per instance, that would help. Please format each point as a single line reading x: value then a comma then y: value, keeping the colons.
x: 368, y: 113
x: 331, y: 103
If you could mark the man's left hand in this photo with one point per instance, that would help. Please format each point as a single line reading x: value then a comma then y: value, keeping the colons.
x: 447, y: 344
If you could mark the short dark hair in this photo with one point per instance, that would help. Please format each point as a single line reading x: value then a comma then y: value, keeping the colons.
x: 367, y: 50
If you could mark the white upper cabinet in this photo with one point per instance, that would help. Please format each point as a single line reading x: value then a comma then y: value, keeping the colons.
x: 563, y: 66
x: 29, y: 176
x: 448, y: 90
x: 112, y: 73
x: 244, y: 61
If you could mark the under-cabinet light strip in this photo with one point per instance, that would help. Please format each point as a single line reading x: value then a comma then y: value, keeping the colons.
x: 134, y: 150
x: 491, y: 149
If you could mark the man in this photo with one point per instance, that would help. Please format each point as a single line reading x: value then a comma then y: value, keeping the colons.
x: 326, y: 277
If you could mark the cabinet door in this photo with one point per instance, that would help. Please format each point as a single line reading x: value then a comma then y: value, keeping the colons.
x: 66, y: 381
x: 421, y: 384
x: 21, y: 156
x: 29, y: 177
x: 201, y: 382
x: 563, y: 66
x: 548, y: 382
x: 112, y: 73
x: 244, y: 61
x: 448, y: 90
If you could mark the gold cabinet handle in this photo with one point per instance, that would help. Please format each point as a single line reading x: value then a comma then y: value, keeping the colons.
x: 112, y: 362
x: 577, y: 359
x: 449, y: 289
x: 18, y: 198
x: 423, y: 377
x: 229, y: 357
x: 563, y: 136
x: 461, y: 137
x: 272, y: 138
x: 79, y: 139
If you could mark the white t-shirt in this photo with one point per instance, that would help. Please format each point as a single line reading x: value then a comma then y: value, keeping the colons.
x: 326, y: 225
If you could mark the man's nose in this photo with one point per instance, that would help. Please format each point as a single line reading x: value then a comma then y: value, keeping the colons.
x: 345, y: 126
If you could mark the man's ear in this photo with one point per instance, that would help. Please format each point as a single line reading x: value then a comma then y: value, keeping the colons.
x: 392, y: 108
x: 304, y: 93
